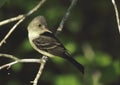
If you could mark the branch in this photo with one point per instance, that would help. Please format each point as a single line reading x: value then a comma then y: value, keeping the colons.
x: 11, y: 20
x: 17, y: 60
x: 21, y: 61
x: 59, y: 29
x: 10, y: 31
x: 44, y: 59
x: 20, y: 18
x: 117, y: 14
x: 36, y: 7
x: 8, y: 56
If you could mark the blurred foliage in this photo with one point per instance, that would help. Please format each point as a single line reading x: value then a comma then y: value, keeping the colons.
x: 2, y: 2
x: 71, y: 78
x: 90, y: 34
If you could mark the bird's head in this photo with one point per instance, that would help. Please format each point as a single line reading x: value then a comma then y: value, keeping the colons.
x: 37, y: 24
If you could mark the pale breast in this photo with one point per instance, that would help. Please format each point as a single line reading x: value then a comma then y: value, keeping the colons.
x: 33, y: 36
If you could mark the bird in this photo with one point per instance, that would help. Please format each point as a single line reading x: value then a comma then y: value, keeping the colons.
x: 44, y: 41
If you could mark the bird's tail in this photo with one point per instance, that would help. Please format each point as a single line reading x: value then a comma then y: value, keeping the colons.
x: 75, y: 63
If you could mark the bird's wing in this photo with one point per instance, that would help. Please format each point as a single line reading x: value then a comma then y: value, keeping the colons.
x: 49, y: 43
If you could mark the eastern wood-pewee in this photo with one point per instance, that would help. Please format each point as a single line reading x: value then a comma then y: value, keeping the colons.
x: 46, y: 43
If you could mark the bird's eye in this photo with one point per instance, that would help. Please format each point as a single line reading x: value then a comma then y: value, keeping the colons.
x: 40, y: 25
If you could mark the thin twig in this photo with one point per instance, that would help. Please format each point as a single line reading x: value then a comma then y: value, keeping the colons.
x: 21, y: 61
x: 36, y: 7
x: 59, y: 29
x: 30, y: 60
x: 117, y: 14
x: 8, y: 56
x: 11, y: 20
x: 8, y: 65
x: 44, y: 59
x: 21, y: 17
x: 11, y: 30
x: 17, y: 60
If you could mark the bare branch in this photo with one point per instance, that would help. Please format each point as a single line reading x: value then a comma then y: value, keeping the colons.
x: 17, y: 60
x: 10, y: 31
x: 36, y: 7
x: 21, y: 17
x: 21, y: 61
x: 8, y: 56
x: 59, y: 29
x: 44, y: 59
x: 30, y: 60
x: 8, y: 65
x: 117, y: 14
x: 11, y: 20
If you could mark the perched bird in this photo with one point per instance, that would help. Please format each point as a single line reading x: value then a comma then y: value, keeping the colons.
x: 46, y: 43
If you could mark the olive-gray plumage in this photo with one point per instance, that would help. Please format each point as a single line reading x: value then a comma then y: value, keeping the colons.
x: 45, y: 42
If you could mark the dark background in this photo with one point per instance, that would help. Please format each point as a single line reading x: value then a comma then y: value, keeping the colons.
x: 90, y: 34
